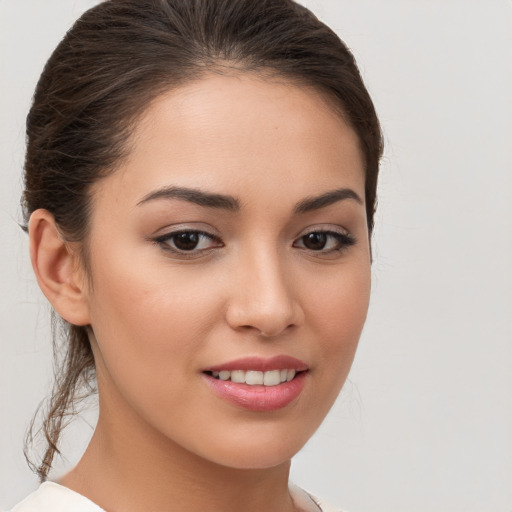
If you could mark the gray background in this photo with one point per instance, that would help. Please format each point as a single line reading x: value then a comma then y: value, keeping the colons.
x: 425, y: 421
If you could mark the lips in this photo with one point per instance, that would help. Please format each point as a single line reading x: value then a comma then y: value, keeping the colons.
x: 261, y: 364
x: 258, y: 384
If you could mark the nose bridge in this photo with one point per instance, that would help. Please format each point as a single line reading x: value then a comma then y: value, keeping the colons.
x: 263, y: 298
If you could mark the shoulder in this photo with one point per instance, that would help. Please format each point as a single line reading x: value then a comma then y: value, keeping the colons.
x: 307, y: 502
x: 52, y: 497
x: 324, y: 506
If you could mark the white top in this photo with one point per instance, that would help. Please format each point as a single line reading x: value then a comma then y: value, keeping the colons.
x: 52, y: 497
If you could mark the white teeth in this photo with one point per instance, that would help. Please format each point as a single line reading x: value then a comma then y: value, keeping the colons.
x: 238, y: 376
x: 290, y: 376
x: 272, y: 378
x: 256, y: 378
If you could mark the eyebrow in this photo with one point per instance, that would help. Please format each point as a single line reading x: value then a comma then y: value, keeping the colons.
x: 195, y: 196
x: 316, y: 203
x: 230, y: 203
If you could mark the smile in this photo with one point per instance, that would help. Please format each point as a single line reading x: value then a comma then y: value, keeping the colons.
x: 258, y: 384
x: 255, y: 377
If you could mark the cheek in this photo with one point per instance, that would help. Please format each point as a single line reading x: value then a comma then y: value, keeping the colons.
x: 337, y: 312
x: 339, y: 301
x: 148, y: 325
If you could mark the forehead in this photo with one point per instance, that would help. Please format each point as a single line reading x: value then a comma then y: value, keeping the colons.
x: 237, y: 132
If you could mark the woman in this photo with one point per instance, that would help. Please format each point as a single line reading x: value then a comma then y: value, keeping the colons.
x: 200, y: 186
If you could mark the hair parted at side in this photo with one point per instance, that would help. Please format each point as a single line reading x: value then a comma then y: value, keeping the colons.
x: 115, y: 60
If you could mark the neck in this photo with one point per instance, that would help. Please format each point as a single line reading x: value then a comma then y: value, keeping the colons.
x: 121, y: 471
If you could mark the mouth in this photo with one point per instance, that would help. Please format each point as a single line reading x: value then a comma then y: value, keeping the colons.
x: 258, y: 384
x: 256, y: 377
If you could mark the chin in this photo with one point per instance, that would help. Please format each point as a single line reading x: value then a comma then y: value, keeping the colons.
x: 261, y: 449
x: 256, y: 459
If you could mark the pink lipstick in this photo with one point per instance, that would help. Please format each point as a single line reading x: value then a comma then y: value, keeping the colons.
x: 258, y: 384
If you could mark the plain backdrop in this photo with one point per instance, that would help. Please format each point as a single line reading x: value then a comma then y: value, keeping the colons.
x: 425, y: 420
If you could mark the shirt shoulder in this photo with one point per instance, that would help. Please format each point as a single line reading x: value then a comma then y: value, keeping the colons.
x: 324, y: 506
x: 52, y: 497
x: 307, y: 502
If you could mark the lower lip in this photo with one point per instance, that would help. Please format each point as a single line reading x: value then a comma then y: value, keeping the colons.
x: 258, y: 398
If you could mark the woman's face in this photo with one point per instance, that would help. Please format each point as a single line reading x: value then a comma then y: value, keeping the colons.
x: 229, y: 254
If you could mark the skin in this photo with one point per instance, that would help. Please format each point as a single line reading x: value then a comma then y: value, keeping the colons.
x: 159, y: 317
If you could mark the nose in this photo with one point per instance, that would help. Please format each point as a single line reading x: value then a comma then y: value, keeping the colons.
x: 262, y: 298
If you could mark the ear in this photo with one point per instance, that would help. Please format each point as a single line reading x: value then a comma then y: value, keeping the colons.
x: 58, y: 270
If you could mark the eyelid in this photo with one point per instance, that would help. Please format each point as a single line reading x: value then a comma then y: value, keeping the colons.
x: 344, y: 240
x: 164, y: 240
x: 325, y: 228
x: 170, y: 234
x: 201, y: 227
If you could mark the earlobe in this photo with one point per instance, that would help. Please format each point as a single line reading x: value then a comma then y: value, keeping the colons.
x: 56, y: 267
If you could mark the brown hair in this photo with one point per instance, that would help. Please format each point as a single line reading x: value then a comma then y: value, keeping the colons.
x: 116, y: 59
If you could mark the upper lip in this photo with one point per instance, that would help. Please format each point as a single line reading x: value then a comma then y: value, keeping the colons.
x: 261, y: 364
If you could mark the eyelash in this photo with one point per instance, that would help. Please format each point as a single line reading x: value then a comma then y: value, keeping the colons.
x: 164, y: 241
x: 342, y: 242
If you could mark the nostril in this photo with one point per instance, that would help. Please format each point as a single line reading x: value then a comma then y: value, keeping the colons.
x: 275, y: 332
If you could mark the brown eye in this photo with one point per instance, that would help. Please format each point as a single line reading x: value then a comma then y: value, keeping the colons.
x: 324, y: 241
x: 189, y: 241
x: 186, y: 241
x: 315, y: 241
